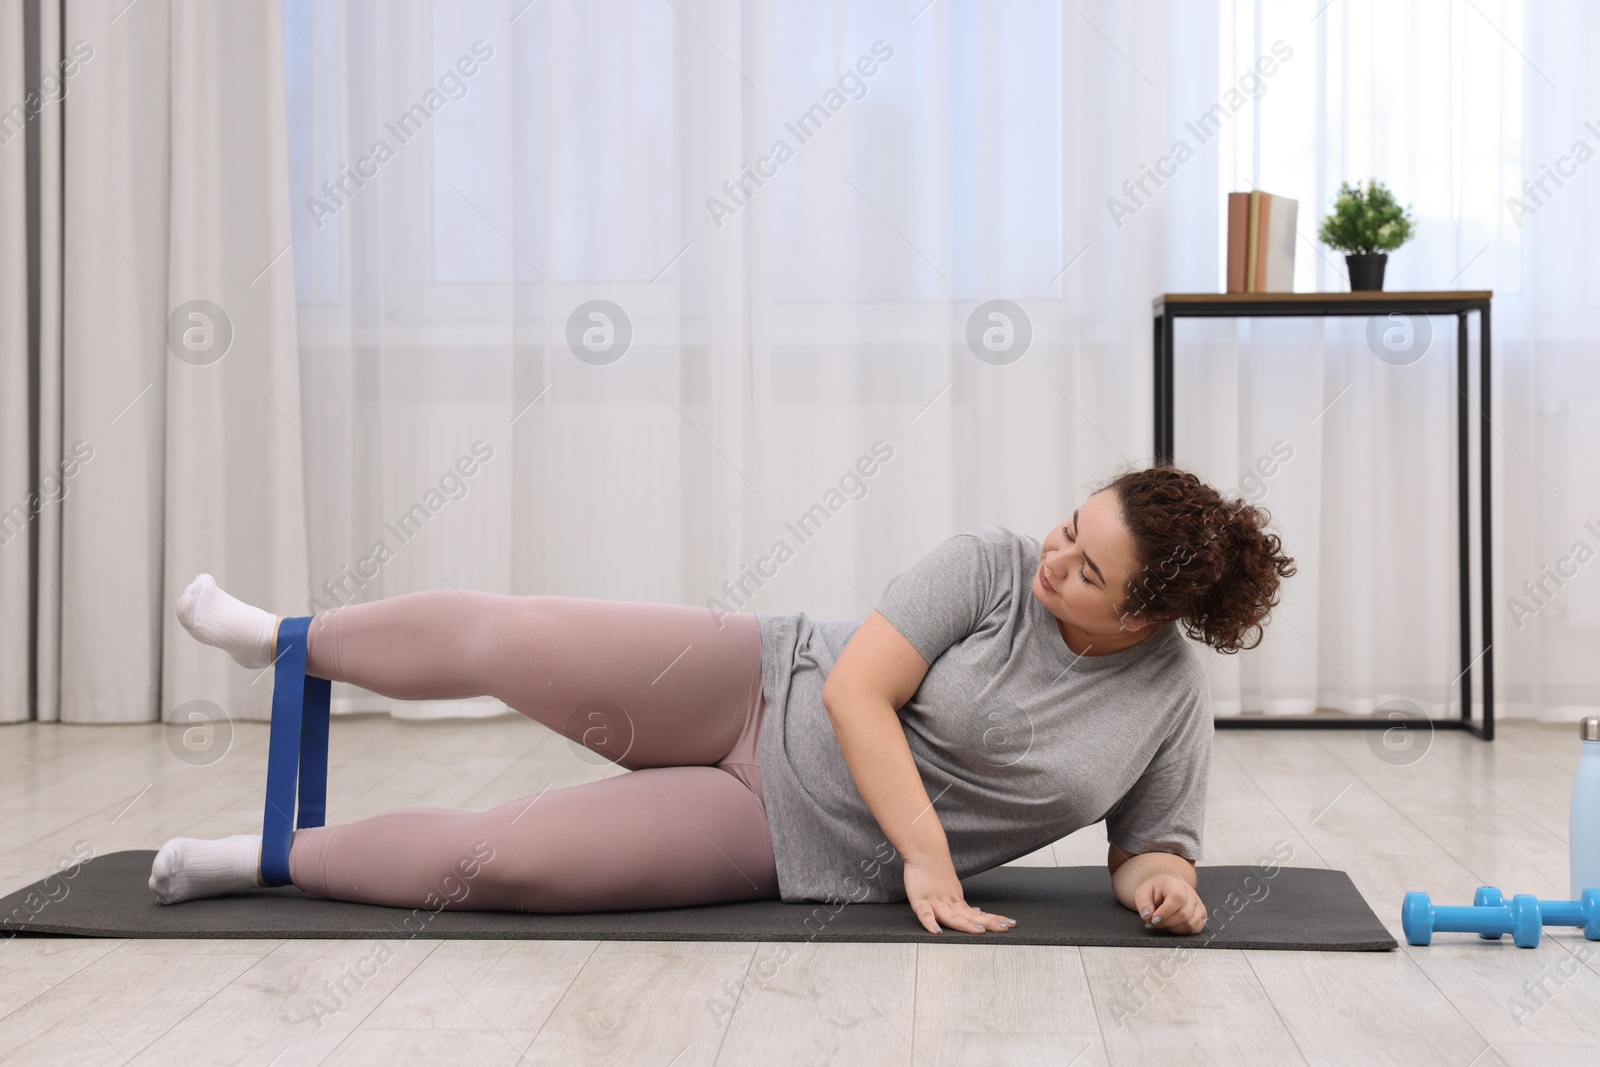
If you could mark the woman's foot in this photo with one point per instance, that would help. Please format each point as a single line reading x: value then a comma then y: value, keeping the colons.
x: 187, y: 868
x: 249, y: 634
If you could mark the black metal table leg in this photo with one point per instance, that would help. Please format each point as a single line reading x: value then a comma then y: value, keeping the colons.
x: 1165, y: 432
x: 1483, y: 500
x: 1463, y: 516
x: 1158, y: 390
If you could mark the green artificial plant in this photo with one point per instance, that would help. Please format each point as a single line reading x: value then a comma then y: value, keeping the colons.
x: 1366, y: 221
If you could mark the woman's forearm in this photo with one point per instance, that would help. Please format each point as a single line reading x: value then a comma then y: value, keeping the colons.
x: 1140, y: 868
x: 875, y: 747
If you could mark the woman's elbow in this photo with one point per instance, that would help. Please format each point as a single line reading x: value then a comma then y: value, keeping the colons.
x: 830, y: 695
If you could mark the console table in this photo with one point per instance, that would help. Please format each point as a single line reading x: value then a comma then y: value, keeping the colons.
x: 1169, y: 307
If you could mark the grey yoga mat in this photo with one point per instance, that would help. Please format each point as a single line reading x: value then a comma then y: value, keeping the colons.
x: 1294, y: 908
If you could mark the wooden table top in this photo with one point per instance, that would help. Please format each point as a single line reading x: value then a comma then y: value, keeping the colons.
x: 1372, y: 296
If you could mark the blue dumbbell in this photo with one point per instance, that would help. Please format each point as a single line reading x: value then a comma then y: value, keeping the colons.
x: 1584, y: 912
x: 1488, y: 896
x: 1421, y: 919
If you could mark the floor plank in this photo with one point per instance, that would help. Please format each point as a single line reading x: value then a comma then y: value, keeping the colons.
x: 803, y: 1003
x: 304, y: 998
x: 1364, y: 1008
x: 640, y: 1007
x: 1153, y: 1002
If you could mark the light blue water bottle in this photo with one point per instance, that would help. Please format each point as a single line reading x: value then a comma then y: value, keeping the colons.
x: 1583, y: 835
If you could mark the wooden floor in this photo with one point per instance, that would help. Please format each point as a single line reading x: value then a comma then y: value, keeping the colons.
x: 1466, y: 813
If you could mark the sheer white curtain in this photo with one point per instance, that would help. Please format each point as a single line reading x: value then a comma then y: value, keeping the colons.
x: 142, y: 194
x: 672, y: 302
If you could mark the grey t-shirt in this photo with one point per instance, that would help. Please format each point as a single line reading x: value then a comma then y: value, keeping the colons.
x: 1019, y: 741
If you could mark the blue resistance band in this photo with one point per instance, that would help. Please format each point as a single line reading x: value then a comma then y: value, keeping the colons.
x: 298, y: 748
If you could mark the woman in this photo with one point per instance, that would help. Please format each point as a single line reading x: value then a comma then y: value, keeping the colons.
x: 1004, y: 693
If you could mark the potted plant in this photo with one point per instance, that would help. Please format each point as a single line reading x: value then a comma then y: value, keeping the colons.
x: 1366, y: 225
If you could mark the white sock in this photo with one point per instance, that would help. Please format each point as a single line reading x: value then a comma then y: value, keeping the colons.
x: 187, y: 867
x: 245, y: 632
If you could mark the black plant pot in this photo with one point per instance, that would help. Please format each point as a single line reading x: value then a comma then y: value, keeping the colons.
x: 1366, y: 271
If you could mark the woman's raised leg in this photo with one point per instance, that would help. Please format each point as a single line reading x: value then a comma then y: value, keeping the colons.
x: 644, y: 685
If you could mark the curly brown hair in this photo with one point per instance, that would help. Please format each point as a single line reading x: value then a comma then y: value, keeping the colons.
x: 1202, y: 558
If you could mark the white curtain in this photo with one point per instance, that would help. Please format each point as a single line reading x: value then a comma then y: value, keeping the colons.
x: 149, y: 379
x: 16, y: 612
x: 572, y: 322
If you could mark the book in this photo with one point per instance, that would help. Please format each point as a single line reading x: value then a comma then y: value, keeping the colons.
x: 1275, y: 258
x: 1252, y: 241
x: 1238, y: 222
x: 1261, y: 233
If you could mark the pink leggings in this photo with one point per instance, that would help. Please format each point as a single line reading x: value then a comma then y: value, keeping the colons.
x: 660, y: 689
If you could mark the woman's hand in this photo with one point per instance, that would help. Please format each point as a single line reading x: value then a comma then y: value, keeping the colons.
x: 1160, y: 887
x: 934, y: 892
x: 1169, y: 903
